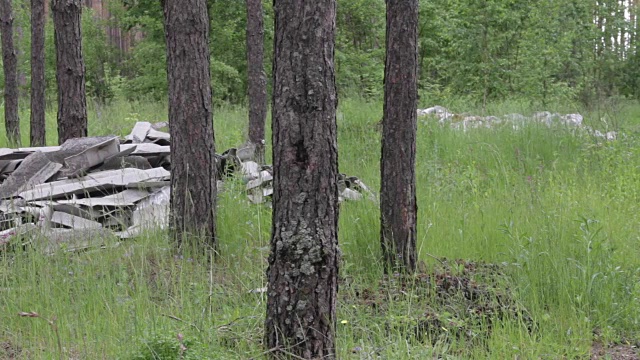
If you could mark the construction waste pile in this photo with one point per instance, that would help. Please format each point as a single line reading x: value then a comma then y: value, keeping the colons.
x: 467, y: 122
x: 77, y: 195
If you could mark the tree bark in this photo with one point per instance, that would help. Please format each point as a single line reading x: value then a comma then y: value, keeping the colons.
x: 398, y: 181
x: 303, y: 263
x: 38, y: 104
x: 257, y: 81
x: 10, y: 65
x: 70, y: 70
x: 193, y: 169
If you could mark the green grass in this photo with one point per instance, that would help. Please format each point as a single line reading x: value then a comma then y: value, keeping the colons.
x: 560, y: 213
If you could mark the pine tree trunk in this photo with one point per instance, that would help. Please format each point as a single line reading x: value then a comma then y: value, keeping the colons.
x: 193, y: 169
x: 303, y: 264
x: 257, y: 82
x: 38, y: 104
x: 10, y: 65
x: 70, y: 70
x: 398, y: 180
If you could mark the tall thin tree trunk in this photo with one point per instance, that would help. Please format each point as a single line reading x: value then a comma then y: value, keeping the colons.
x: 70, y: 70
x: 38, y: 103
x: 398, y: 181
x: 10, y: 65
x: 303, y: 263
x: 257, y: 82
x: 193, y: 163
x: 633, y: 26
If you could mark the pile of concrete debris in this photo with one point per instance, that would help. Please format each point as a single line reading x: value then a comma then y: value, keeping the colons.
x: 93, y: 188
x: 517, y: 121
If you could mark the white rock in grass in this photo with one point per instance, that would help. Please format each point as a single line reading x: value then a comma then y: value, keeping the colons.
x: 573, y: 119
x: 440, y: 112
x: 349, y: 194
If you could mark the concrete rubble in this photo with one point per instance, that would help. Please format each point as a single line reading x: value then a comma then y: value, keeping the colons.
x: 466, y: 122
x: 78, y: 195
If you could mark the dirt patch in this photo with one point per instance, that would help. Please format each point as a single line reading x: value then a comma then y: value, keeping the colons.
x: 456, y: 299
x: 9, y: 351
x: 600, y: 351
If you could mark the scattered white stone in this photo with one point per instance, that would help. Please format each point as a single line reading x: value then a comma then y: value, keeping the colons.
x: 573, y: 119
x: 515, y: 120
x: 440, y: 112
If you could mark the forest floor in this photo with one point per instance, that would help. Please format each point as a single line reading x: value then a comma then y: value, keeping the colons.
x: 528, y: 247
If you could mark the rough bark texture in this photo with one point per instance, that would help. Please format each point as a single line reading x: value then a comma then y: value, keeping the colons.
x: 10, y: 65
x: 257, y: 81
x: 37, y: 137
x: 72, y: 101
x: 193, y: 170
x: 303, y: 263
x: 398, y: 181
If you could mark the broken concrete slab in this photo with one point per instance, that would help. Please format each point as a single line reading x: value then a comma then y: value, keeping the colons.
x: 3, y: 163
x: 76, y: 146
x: 148, y: 149
x: 117, y: 221
x: 247, y: 152
x: 34, y: 170
x: 64, y: 188
x: 5, y: 151
x: 159, y: 137
x: 152, y: 212
x: 104, y: 189
x: 126, y: 152
x: 86, y: 213
x: 71, y: 240
x: 159, y: 125
x: 22, y: 231
x: 349, y: 194
x: 95, y: 153
x: 259, y: 196
x: 73, y: 222
x: 137, y: 162
x: 263, y: 177
x: 121, y: 199
x: 12, y: 205
x: 144, y: 149
x: 139, y: 132
x: 149, y: 185
x: 251, y: 169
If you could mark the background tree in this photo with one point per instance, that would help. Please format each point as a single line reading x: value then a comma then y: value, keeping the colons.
x: 72, y: 101
x: 38, y: 102
x: 257, y: 81
x: 193, y: 164
x: 399, y: 125
x: 360, y: 47
x: 303, y: 263
x: 10, y: 65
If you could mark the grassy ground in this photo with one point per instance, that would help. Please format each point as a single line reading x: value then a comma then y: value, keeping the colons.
x: 557, y: 216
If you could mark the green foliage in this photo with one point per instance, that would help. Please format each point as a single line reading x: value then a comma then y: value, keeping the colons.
x: 100, y: 58
x: 360, y: 47
x: 146, y: 65
x: 538, y: 50
x: 166, y: 347
x: 482, y: 51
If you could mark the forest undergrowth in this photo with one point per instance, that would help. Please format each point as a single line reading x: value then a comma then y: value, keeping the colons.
x: 528, y: 247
